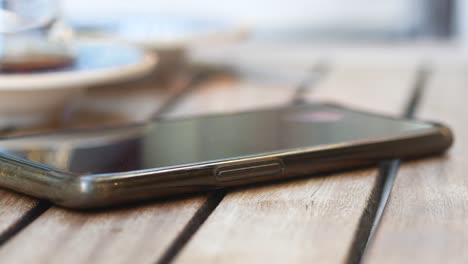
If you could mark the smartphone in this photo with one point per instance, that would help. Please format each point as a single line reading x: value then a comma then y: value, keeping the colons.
x: 98, y: 168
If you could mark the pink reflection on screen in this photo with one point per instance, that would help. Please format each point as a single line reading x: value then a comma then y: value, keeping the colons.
x: 315, y: 117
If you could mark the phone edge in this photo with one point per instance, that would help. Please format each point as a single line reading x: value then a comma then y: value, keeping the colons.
x: 88, y: 191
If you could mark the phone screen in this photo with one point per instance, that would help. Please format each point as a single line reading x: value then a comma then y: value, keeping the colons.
x: 204, y: 139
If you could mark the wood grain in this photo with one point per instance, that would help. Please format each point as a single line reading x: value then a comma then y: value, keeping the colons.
x: 137, y: 235
x: 426, y: 219
x: 311, y: 220
x: 141, y: 234
x: 13, y: 207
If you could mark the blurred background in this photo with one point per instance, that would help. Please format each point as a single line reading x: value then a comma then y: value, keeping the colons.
x: 188, y: 36
x: 304, y: 19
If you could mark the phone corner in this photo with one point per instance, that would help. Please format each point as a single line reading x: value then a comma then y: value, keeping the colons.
x: 446, y: 135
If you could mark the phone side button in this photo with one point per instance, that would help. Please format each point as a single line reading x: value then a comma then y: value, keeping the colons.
x: 246, y: 171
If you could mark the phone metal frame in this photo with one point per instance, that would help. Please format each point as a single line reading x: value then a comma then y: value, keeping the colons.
x: 100, y: 190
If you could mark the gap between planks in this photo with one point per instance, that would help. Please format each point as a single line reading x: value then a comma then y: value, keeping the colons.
x: 388, y: 171
x: 426, y: 217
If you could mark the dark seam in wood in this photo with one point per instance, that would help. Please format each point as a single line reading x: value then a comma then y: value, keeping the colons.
x: 391, y: 170
x: 195, y: 79
x: 424, y: 74
x: 317, y: 74
x: 360, y: 239
x: 388, y: 170
x: 24, y: 221
x: 190, y: 229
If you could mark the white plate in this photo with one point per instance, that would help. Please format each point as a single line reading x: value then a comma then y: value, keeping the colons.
x: 31, y: 98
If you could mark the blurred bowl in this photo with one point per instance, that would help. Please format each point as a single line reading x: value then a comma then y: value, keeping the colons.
x: 28, y: 99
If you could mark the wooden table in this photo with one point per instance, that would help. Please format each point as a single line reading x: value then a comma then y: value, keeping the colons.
x: 320, y: 219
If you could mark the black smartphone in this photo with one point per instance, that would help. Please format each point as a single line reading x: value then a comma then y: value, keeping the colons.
x: 96, y: 168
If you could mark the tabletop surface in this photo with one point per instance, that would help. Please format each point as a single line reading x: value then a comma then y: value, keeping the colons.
x: 335, y: 218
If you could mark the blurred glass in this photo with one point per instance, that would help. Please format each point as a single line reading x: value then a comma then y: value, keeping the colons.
x: 33, y: 36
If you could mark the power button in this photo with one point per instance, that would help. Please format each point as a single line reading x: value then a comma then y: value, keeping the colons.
x: 248, y: 170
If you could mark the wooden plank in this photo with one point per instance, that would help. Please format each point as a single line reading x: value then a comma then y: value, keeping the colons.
x: 141, y: 234
x: 137, y: 235
x: 310, y: 220
x: 13, y: 207
x: 426, y: 217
